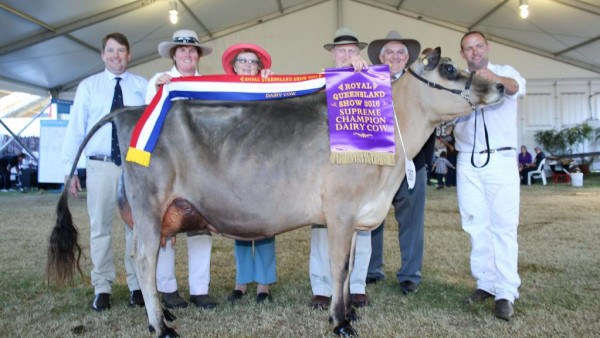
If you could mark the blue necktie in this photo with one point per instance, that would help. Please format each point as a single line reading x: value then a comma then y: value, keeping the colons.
x: 115, y: 152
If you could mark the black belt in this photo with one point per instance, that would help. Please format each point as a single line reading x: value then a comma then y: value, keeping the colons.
x: 100, y: 158
x: 491, y: 151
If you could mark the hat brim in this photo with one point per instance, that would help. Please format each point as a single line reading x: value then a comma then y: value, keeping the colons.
x: 165, y: 47
x: 361, y: 45
x: 413, y: 47
x: 234, y: 50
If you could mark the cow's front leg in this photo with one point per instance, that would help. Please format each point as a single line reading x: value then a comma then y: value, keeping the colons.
x: 341, y: 238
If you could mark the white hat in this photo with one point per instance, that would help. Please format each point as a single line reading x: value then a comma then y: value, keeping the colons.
x: 184, y: 37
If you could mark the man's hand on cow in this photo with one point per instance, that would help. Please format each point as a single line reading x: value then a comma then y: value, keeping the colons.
x: 163, y: 79
x: 487, y: 74
x: 74, y: 185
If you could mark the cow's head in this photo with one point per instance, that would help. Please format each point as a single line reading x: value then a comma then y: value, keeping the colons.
x: 453, y: 85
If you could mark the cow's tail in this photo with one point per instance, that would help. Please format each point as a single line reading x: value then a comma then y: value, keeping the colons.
x: 64, y: 252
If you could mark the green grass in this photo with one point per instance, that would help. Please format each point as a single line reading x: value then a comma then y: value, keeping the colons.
x: 559, y: 264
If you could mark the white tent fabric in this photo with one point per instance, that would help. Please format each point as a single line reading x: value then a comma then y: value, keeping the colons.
x: 51, y: 45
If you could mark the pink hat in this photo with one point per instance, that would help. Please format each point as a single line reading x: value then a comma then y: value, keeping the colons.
x: 234, y: 50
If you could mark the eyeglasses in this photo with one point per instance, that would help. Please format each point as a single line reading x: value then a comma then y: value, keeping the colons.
x: 244, y: 61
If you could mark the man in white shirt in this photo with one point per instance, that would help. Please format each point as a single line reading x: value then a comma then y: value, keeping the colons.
x: 488, y: 181
x: 93, y: 100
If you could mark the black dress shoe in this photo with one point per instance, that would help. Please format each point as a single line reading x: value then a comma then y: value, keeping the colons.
x: 408, y: 287
x: 172, y: 300
x: 478, y: 296
x: 101, y: 302
x: 136, y: 298
x: 203, y: 301
x: 359, y: 299
x: 235, y: 295
x: 373, y: 280
x: 320, y: 302
x: 262, y: 297
x: 504, y: 309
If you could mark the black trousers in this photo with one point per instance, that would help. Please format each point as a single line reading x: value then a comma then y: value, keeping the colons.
x: 4, y: 178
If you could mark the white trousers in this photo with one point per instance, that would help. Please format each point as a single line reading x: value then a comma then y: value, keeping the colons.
x: 488, y: 199
x: 199, y: 250
x: 319, y: 265
x: 101, y: 185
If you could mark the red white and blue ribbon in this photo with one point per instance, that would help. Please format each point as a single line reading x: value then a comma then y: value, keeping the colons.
x: 212, y: 87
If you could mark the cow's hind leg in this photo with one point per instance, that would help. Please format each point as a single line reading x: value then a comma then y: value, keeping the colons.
x: 340, y: 237
x: 145, y: 251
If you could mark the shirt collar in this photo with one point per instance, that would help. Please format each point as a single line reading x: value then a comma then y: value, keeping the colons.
x: 112, y: 76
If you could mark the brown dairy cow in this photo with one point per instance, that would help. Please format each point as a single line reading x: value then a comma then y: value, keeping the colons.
x: 251, y: 170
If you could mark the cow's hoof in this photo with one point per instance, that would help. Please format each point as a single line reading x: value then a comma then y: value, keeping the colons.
x: 169, y: 316
x: 352, y: 316
x: 169, y: 333
x: 345, y: 330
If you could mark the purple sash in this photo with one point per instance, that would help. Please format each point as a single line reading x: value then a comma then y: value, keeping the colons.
x: 361, y: 116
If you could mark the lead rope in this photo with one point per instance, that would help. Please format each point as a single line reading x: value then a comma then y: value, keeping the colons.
x: 487, y: 141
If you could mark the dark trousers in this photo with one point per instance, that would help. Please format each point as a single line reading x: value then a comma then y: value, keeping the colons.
x: 440, y: 179
x: 451, y: 175
x: 4, y: 178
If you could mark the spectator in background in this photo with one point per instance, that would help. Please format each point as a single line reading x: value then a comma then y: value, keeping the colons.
x: 524, y: 160
x: 539, y: 156
x: 440, y: 167
x: 6, y: 165
x: 448, y: 140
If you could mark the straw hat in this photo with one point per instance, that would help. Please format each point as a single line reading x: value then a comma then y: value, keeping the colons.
x: 345, y: 36
x: 234, y: 50
x: 184, y: 37
x: 413, y: 47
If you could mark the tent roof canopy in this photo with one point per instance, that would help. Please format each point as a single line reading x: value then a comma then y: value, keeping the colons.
x: 52, y: 45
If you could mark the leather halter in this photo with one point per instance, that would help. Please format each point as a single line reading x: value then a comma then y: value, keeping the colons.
x: 465, y: 93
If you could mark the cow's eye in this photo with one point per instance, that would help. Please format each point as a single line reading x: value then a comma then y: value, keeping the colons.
x: 449, y: 69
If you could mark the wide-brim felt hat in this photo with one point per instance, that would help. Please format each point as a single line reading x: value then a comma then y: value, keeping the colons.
x: 234, y: 50
x: 413, y: 47
x: 183, y: 37
x: 345, y: 36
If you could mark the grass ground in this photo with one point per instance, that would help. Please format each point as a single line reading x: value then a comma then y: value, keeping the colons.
x: 559, y: 264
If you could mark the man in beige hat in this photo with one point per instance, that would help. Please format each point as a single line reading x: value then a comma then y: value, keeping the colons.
x: 394, y: 51
x: 185, y: 50
x: 345, y: 51
x: 409, y: 204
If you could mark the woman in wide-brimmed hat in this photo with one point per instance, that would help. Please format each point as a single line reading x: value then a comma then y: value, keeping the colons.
x: 185, y: 50
x: 254, y: 260
x: 246, y: 59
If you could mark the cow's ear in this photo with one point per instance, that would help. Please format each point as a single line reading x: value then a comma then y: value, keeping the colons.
x: 433, y: 58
